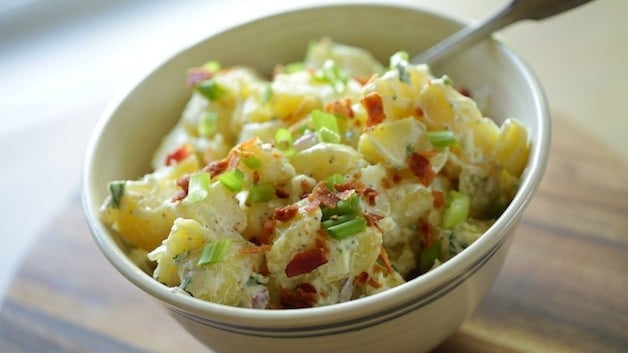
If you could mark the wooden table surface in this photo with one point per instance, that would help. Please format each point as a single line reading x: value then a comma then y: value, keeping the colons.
x: 563, y: 288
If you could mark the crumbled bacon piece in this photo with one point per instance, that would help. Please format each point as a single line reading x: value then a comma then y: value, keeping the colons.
x: 370, y: 195
x: 439, y: 198
x: 285, y: 214
x: 397, y: 178
x: 464, y: 91
x: 216, y: 167
x: 255, y: 249
x: 421, y: 167
x: 304, y: 296
x: 362, y: 278
x: 427, y: 231
x: 322, y: 194
x: 180, y: 195
x: 183, y: 182
x: 281, y: 193
x: 372, y: 219
x: 373, y: 283
x: 340, y: 107
x: 306, y: 261
x: 374, y: 106
x: 383, y: 254
x: 268, y: 229
x: 255, y: 176
x: 350, y: 185
x: 179, y: 154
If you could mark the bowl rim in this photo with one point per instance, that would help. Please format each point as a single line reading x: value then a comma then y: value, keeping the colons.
x: 384, y: 305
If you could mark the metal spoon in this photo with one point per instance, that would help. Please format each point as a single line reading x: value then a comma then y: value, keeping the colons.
x: 515, y: 11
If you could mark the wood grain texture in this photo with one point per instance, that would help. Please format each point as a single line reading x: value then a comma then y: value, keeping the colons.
x: 563, y: 287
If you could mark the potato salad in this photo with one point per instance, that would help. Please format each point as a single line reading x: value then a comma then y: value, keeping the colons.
x: 337, y: 178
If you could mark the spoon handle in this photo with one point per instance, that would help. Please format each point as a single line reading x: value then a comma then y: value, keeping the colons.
x: 515, y: 11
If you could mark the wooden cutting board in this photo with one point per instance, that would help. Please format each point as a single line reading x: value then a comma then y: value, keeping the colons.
x: 563, y: 288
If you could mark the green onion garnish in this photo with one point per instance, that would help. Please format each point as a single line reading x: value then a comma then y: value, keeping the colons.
x: 332, y: 74
x: 212, y: 66
x: 337, y: 220
x: 456, y: 210
x: 429, y: 255
x: 116, y: 189
x: 447, y: 80
x: 252, y: 162
x: 294, y: 67
x: 442, y: 138
x: 207, y: 124
x: 348, y: 228
x: 326, y: 126
x: 284, y: 142
x: 333, y: 180
x: 350, y: 206
x: 198, y: 187
x: 232, y: 179
x: 214, y: 251
x: 267, y: 93
x: 211, y: 90
x: 327, y: 135
x: 260, y: 193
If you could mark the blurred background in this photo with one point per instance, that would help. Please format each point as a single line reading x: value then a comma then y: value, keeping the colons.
x: 62, y: 61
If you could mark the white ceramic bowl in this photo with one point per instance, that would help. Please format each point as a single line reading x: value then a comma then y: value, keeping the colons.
x: 413, y: 317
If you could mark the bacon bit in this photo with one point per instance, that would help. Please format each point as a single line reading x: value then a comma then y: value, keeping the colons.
x: 362, y: 80
x: 372, y: 219
x: 383, y: 254
x: 385, y: 183
x: 281, y: 193
x: 179, y: 154
x: 322, y: 194
x: 285, y: 214
x: 374, y: 106
x: 370, y: 195
x: 255, y: 176
x: 418, y: 111
x: 216, y: 167
x: 439, y: 198
x: 268, y: 229
x: 180, y: 195
x: 313, y: 205
x: 255, y: 249
x: 321, y: 240
x: 183, y: 182
x: 304, y: 296
x: 397, y: 178
x: 362, y: 278
x: 421, y: 167
x: 306, y: 261
x: 373, y: 283
x: 340, y: 107
x: 345, y: 195
x: 350, y: 185
x: 464, y: 91
x: 197, y: 75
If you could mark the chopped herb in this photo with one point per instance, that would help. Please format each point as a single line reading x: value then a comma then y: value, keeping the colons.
x: 442, y: 138
x: 252, y: 162
x: 212, y: 66
x: 211, y: 90
x: 447, y: 80
x: 267, y: 93
x: 260, y: 193
x: 429, y: 256
x: 214, y: 251
x: 399, y: 61
x: 116, y: 189
x: 333, y: 180
x: 198, y: 187
x: 347, y: 228
x: 332, y: 74
x: 207, y: 124
x: 456, y: 210
x: 232, y: 179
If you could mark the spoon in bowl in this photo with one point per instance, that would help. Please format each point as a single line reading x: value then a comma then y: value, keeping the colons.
x: 515, y: 11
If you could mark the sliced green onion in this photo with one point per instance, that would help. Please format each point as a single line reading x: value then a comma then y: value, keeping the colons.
x: 116, y: 189
x: 333, y: 180
x: 327, y: 135
x: 442, y: 138
x: 207, y: 124
x: 350, y: 206
x: 332, y: 74
x: 214, y: 251
x: 284, y: 142
x: 232, y: 179
x: 267, y: 93
x: 336, y: 220
x: 447, y: 80
x: 429, y: 256
x: 252, y: 162
x: 260, y: 193
x: 321, y: 120
x: 457, y: 209
x: 212, y: 66
x: 198, y: 187
x: 211, y: 90
x: 348, y: 228
x: 294, y: 67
